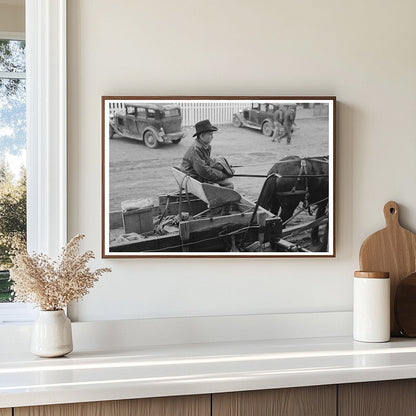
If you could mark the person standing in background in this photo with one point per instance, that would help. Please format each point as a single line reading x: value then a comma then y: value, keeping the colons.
x: 278, y: 120
x: 288, y: 120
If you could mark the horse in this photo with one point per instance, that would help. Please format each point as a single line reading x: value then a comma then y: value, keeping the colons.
x: 293, y: 180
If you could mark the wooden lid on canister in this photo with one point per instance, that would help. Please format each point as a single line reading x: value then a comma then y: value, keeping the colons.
x: 372, y: 275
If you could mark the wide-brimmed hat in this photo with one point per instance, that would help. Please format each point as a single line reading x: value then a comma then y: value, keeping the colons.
x: 203, y: 127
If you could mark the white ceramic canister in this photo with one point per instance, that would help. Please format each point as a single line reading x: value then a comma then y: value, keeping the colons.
x: 371, y: 310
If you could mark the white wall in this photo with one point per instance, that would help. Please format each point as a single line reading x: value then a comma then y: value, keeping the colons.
x: 12, y: 17
x: 361, y: 51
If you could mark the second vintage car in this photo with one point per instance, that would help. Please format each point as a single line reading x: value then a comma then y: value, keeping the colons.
x: 259, y: 116
x: 152, y: 123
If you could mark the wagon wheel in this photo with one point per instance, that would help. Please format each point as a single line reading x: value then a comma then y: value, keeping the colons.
x: 236, y: 121
x: 150, y: 140
x: 267, y: 128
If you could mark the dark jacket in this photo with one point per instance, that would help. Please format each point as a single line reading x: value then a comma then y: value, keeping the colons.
x: 289, y: 118
x: 278, y: 116
x: 198, y: 163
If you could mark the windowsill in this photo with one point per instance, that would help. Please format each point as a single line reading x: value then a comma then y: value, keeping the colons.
x: 16, y: 313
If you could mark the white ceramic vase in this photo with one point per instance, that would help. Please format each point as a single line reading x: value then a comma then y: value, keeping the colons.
x: 52, y: 334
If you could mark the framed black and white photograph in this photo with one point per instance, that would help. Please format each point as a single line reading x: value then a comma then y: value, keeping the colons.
x: 218, y: 176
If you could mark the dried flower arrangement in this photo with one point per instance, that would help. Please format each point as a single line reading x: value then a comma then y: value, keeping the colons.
x: 53, y: 285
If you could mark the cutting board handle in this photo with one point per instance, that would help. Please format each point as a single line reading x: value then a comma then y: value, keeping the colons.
x: 391, y: 214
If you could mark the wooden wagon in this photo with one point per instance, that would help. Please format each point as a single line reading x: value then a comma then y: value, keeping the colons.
x: 204, y: 217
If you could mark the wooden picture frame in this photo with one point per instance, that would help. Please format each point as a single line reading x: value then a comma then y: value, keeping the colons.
x: 280, y: 151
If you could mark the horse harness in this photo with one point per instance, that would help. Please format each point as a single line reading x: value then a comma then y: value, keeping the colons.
x: 303, y: 173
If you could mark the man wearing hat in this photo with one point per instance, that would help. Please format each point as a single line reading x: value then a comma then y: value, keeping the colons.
x: 288, y: 121
x: 198, y: 163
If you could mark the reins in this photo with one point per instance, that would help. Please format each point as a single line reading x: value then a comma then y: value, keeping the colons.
x: 243, y: 175
x: 322, y: 159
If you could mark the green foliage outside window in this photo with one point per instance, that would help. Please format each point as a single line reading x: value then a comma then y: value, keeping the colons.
x: 6, y: 294
x: 12, y: 223
x: 12, y: 144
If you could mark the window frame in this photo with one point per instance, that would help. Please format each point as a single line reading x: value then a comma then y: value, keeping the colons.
x: 46, y: 125
x: 46, y: 138
x: 10, y: 312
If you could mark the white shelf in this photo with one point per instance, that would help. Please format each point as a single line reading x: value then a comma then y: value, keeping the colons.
x: 151, y: 371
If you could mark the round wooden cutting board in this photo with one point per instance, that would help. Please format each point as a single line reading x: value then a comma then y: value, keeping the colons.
x: 393, y: 250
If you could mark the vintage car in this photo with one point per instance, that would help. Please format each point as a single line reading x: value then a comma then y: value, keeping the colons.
x: 259, y: 116
x: 152, y: 123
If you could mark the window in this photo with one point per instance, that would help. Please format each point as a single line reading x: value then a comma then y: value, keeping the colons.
x: 131, y: 110
x: 46, y: 135
x: 141, y: 112
x: 12, y: 166
x: 173, y: 112
x: 12, y: 155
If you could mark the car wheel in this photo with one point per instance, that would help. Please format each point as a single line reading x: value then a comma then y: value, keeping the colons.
x: 267, y: 129
x: 176, y: 141
x: 236, y: 121
x: 111, y: 132
x: 150, y: 140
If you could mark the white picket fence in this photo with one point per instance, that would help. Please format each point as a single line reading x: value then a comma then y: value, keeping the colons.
x: 113, y: 107
x: 217, y: 112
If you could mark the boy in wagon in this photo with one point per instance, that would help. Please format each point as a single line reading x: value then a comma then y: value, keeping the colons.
x: 198, y: 163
